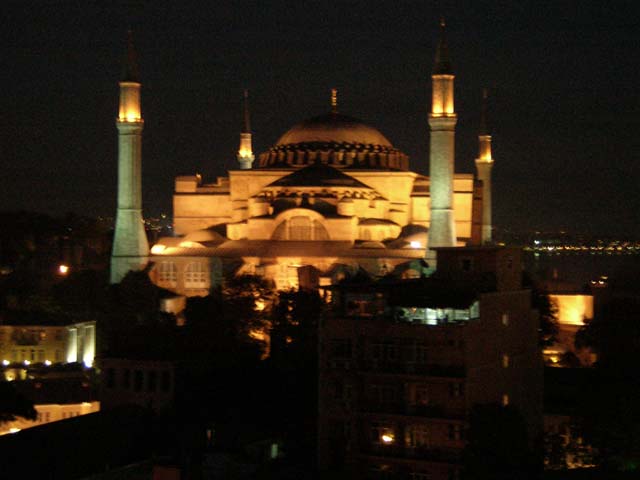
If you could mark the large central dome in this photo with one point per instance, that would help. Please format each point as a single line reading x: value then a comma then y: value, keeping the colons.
x: 337, y: 140
x: 334, y: 128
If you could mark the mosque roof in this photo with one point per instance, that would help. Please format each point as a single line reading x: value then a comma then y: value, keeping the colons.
x: 334, y: 139
x: 334, y: 128
x: 318, y: 176
x: 289, y: 248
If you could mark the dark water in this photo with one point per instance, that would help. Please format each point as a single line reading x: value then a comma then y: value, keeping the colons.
x: 623, y: 270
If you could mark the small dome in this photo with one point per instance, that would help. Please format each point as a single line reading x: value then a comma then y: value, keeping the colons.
x: 334, y: 128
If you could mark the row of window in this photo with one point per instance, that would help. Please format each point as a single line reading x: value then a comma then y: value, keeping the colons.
x: 415, y: 436
x: 392, y: 351
x: 33, y: 355
x: 196, y: 275
x: 416, y: 395
x: 138, y: 380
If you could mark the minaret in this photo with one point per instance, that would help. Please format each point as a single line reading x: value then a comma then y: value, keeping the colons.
x: 484, y: 164
x: 245, y: 154
x: 442, y: 121
x: 130, y: 246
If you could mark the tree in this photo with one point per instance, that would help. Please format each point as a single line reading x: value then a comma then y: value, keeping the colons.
x: 498, y: 445
x: 232, y: 321
x: 547, y: 309
x: 294, y: 327
x: 13, y: 404
x: 609, y: 406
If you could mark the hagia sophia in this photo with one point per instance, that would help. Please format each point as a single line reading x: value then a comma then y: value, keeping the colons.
x: 331, y: 197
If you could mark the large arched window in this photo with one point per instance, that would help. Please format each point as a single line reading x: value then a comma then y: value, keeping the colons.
x: 300, y: 228
x: 196, y: 275
x: 167, y: 274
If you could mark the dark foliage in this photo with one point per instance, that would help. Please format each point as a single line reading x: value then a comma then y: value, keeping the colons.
x: 295, y: 319
x: 497, y: 445
x: 610, y: 408
x: 13, y: 404
x: 548, y: 311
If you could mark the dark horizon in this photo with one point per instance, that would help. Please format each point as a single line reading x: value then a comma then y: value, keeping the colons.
x: 563, y: 101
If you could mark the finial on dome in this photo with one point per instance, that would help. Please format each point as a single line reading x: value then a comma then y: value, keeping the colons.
x: 334, y: 100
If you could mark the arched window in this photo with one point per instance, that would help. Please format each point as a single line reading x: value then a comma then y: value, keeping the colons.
x: 167, y: 274
x: 300, y: 228
x: 196, y: 276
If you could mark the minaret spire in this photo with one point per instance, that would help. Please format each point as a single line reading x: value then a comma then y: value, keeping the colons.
x: 334, y: 100
x: 130, y: 246
x: 245, y: 153
x: 130, y: 72
x: 442, y: 122
x: 442, y: 64
x: 484, y: 165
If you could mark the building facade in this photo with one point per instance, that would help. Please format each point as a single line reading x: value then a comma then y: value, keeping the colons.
x: 23, y: 343
x: 403, y: 363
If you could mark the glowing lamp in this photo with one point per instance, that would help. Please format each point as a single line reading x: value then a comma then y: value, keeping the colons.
x: 387, y: 438
x: 27, y: 362
x: 47, y: 363
x: 415, y: 244
x: 5, y: 362
x: 158, y: 248
x: 63, y: 269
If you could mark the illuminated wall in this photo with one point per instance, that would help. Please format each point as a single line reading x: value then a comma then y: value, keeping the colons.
x: 573, y: 309
x: 51, y: 412
x: 33, y: 344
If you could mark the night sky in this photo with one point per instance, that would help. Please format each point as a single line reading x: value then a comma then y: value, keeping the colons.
x: 564, y: 83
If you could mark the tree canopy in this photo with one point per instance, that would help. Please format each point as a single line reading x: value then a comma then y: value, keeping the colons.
x: 13, y: 404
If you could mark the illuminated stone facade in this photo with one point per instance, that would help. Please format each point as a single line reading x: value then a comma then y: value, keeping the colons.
x: 24, y: 344
x: 50, y: 412
x: 333, y: 194
x: 130, y: 246
x: 334, y: 217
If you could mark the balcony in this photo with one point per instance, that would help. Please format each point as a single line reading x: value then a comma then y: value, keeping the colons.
x: 426, y: 453
x: 407, y: 368
x: 404, y: 409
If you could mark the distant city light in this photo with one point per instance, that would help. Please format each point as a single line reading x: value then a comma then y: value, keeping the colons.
x: 63, y: 269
